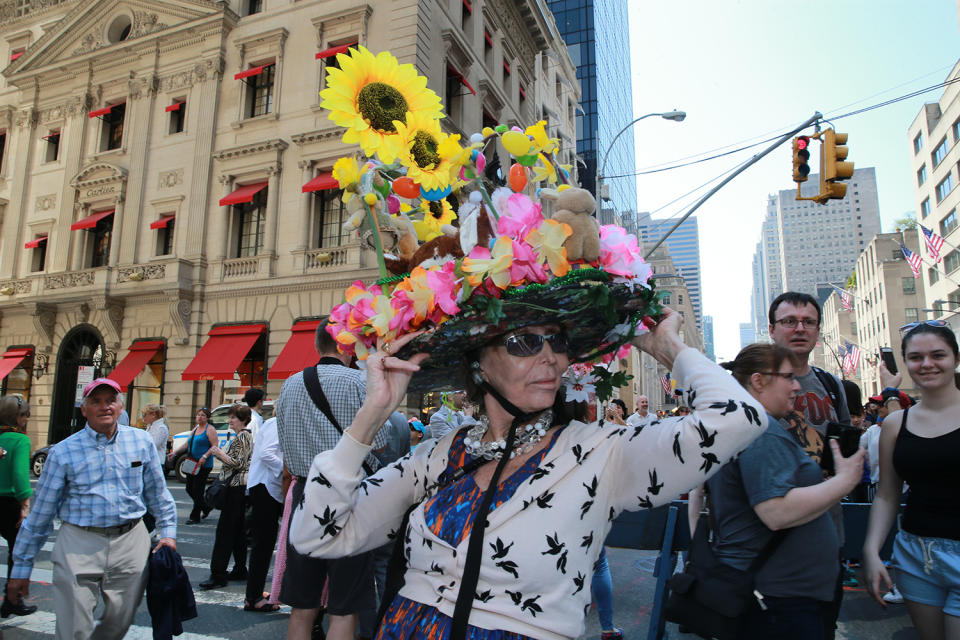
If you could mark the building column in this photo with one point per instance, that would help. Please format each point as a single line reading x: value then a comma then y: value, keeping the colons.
x: 77, y: 238
x: 270, y: 224
x: 143, y: 97
x: 64, y: 247
x: 303, y: 241
x: 20, y: 159
x: 193, y: 244
x: 116, y: 234
x: 221, y: 223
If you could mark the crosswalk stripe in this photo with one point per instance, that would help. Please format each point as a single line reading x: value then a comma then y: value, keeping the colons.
x: 46, y: 622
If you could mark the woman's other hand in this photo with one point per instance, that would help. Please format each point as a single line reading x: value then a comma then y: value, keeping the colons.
x: 878, y: 579
x: 663, y: 340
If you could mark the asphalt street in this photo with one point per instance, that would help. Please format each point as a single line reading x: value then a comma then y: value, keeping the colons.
x: 221, y: 614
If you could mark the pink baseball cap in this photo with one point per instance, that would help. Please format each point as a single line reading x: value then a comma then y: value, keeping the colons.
x: 101, y: 382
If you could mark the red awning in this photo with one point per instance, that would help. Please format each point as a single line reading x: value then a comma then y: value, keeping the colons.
x: 51, y: 136
x: 252, y: 71
x: 220, y: 356
x: 33, y: 244
x: 523, y: 93
x: 14, y: 56
x: 506, y: 66
x: 243, y: 194
x: 96, y: 113
x: 322, y: 182
x: 466, y: 5
x: 12, y: 358
x: 91, y: 221
x: 487, y: 38
x: 299, y: 352
x: 332, y: 51
x: 130, y: 367
x: 162, y: 222
x: 173, y: 107
x: 459, y: 76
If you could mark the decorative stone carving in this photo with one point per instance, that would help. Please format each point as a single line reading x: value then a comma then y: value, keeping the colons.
x: 170, y: 178
x: 200, y: 72
x: 110, y: 311
x: 276, y: 145
x: 138, y: 273
x: 89, y: 42
x: 18, y: 286
x: 71, y: 279
x: 143, y: 87
x: 26, y: 118
x: 144, y: 23
x: 44, y: 320
x: 45, y: 203
x: 180, y: 309
x: 320, y: 135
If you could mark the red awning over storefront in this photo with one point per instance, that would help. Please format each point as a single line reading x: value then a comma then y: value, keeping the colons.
x: 223, y: 352
x: 322, y: 182
x: 162, y: 223
x: 91, y: 221
x: 33, y: 244
x: 243, y: 194
x: 299, y: 352
x: 13, y: 357
x: 134, y: 362
x: 332, y: 51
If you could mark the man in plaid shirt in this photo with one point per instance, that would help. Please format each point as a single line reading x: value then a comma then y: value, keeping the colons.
x: 304, y: 431
x: 100, y: 481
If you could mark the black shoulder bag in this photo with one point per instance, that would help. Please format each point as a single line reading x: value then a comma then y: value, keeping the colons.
x: 710, y: 597
x: 846, y: 435
x: 311, y: 380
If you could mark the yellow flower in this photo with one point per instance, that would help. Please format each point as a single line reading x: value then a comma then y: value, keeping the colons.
x: 420, y: 294
x: 435, y: 215
x: 547, y: 241
x: 347, y: 171
x: 433, y: 158
x: 541, y: 143
x: 496, y: 267
x: 368, y: 94
x: 544, y: 172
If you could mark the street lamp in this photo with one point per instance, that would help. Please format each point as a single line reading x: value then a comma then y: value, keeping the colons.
x: 676, y: 116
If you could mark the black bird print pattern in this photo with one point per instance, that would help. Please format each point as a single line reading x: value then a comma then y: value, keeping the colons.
x: 321, y: 480
x: 752, y: 416
x: 706, y: 438
x: 676, y: 448
x: 654, y: 487
x: 709, y: 460
x: 728, y: 407
x: 329, y: 522
x: 578, y: 583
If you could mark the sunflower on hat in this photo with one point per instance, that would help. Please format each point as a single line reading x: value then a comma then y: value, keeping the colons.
x: 368, y: 94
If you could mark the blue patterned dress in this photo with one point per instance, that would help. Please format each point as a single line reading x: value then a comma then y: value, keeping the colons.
x: 450, y: 515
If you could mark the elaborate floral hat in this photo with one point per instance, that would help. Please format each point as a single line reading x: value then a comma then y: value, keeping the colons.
x: 459, y: 256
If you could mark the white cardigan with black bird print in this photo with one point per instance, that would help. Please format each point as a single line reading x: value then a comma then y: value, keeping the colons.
x: 541, y: 544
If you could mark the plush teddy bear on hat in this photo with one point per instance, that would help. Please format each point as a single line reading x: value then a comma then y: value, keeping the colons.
x: 575, y: 207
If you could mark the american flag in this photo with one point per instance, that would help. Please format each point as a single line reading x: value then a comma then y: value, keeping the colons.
x: 846, y: 300
x: 665, y: 383
x: 852, y: 360
x: 934, y: 243
x: 913, y: 259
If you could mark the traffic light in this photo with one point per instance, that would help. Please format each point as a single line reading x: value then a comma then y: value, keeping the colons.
x: 832, y: 167
x: 801, y: 157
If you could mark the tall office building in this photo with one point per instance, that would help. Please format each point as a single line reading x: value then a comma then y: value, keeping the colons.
x: 684, y: 246
x: 708, y: 338
x: 598, y: 39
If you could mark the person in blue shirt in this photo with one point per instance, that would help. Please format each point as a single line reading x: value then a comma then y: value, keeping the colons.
x: 100, y: 482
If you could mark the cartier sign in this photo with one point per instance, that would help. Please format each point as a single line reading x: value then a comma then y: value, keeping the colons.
x: 101, y: 190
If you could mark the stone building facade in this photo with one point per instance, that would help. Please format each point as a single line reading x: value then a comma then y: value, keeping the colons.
x: 164, y: 179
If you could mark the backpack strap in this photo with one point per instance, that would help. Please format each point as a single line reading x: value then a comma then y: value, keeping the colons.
x: 831, y: 385
x: 311, y: 380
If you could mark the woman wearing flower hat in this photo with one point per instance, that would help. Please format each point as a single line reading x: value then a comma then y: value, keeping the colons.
x: 499, y: 308
x: 557, y: 492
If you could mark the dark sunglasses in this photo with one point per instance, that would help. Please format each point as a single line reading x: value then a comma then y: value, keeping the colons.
x: 910, y: 326
x: 530, y: 344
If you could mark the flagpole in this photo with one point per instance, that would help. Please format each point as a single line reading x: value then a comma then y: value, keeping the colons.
x: 934, y: 265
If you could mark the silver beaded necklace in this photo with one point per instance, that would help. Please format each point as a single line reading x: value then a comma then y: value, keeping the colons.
x: 527, y: 438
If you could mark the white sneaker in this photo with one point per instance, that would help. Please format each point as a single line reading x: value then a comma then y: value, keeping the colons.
x: 894, y: 596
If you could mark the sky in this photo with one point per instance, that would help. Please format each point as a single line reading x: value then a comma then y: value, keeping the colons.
x: 747, y: 70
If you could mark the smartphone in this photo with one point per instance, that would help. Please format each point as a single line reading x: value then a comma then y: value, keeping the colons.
x: 886, y: 353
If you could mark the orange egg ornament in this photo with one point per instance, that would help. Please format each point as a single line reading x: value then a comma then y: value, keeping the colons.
x: 517, y: 177
x: 406, y: 187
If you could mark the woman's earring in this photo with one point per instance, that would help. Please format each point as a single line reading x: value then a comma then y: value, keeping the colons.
x: 475, y: 373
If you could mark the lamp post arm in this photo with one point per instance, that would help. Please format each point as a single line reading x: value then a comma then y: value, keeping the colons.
x: 814, y: 118
x: 603, y: 165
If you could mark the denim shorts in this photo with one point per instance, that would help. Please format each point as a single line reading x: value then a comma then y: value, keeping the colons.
x: 928, y: 570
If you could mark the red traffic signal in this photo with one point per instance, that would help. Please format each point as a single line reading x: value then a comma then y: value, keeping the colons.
x: 801, y: 158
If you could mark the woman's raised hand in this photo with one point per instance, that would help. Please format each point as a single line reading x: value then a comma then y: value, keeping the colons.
x: 388, y: 375
x: 663, y: 341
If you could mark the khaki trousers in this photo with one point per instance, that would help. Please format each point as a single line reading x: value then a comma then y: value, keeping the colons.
x: 89, y: 566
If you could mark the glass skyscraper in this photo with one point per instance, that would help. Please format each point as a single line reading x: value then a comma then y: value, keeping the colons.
x: 684, y: 247
x: 597, y: 34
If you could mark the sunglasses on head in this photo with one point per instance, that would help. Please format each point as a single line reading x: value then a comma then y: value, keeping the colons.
x: 530, y: 344
x: 910, y: 326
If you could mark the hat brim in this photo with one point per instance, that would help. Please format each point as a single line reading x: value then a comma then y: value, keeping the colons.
x: 586, y: 308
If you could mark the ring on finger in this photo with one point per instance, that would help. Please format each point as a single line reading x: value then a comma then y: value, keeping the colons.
x: 386, y: 348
